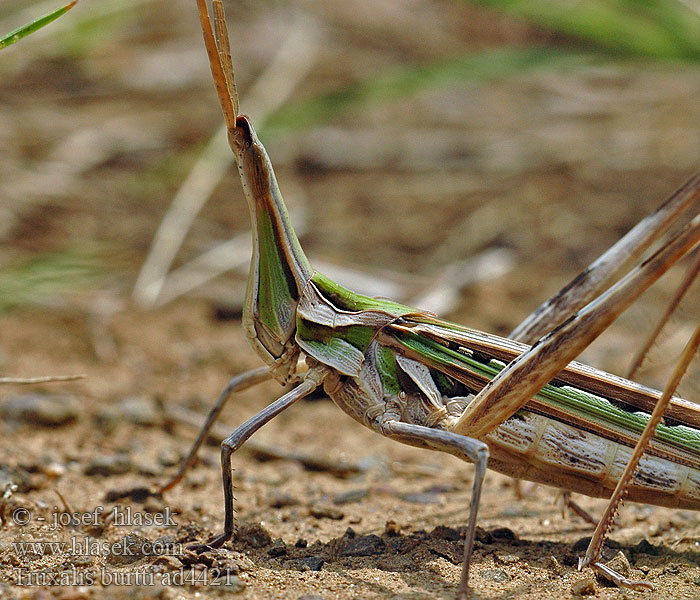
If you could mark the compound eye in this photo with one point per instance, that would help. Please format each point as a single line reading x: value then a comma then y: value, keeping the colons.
x: 243, y: 131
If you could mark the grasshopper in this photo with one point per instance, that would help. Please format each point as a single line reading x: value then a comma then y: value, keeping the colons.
x: 526, y: 411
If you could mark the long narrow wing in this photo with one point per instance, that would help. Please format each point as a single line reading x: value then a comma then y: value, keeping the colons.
x: 581, y: 396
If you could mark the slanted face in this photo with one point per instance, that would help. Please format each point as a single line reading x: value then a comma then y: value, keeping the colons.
x: 279, y: 270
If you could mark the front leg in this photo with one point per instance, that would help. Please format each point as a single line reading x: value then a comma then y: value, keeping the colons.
x: 465, y: 448
x: 237, y: 384
x: 313, y: 378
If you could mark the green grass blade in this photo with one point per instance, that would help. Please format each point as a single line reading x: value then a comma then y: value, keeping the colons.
x: 661, y: 29
x: 486, y: 65
x: 657, y: 29
x: 25, y: 30
x: 43, y: 277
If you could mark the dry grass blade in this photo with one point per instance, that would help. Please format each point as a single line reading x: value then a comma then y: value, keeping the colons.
x: 224, y: 46
x: 569, y: 339
x: 685, y: 285
x: 610, y: 266
x: 34, y: 380
x: 607, y: 520
x: 217, y: 70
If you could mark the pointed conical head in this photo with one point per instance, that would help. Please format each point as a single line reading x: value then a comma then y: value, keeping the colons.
x: 279, y: 269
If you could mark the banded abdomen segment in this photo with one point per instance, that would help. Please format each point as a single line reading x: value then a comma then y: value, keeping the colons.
x: 540, y: 449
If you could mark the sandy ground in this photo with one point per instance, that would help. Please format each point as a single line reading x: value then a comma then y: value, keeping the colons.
x: 99, y: 132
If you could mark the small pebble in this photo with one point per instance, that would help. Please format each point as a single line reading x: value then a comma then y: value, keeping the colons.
x: 40, y: 409
x: 504, y: 534
x: 139, y: 410
x: 254, y: 535
x: 421, y: 498
x: 554, y: 565
x: 351, y: 496
x: 127, y: 550
x: 497, y: 575
x: 236, y: 562
x: 301, y: 543
x: 137, y: 494
x: 366, y: 545
x: 278, y: 548
x: 326, y: 512
x: 282, y: 499
x: 313, y: 563
x: 584, y: 587
x: 507, y: 559
x: 392, y: 529
x: 115, y: 464
x: 81, y: 560
x: 55, y: 469
x: 163, y: 564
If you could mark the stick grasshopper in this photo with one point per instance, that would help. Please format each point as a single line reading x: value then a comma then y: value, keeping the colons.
x: 526, y: 411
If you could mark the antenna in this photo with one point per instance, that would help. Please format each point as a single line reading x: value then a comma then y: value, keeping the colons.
x: 219, y: 52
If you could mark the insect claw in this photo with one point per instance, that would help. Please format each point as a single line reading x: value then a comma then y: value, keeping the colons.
x: 212, y: 544
x: 619, y: 580
x: 582, y: 563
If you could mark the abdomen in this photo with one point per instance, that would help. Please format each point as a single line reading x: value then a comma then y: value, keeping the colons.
x: 535, y: 448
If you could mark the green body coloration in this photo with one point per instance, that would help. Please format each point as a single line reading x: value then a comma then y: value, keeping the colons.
x: 291, y: 308
x: 279, y: 269
x: 437, y: 356
x: 396, y: 370
x: 578, y: 403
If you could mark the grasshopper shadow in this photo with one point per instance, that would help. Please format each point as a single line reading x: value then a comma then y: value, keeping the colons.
x: 413, y: 557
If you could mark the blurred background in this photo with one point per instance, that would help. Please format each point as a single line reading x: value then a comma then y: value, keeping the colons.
x: 484, y: 152
x: 466, y: 157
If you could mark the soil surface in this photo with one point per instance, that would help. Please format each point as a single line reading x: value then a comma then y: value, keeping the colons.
x: 535, y: 174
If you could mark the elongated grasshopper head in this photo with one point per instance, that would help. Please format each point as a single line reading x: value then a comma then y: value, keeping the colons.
x: 279, y: 270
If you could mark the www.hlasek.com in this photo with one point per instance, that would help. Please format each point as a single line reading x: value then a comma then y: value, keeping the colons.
x: 89, y: 546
